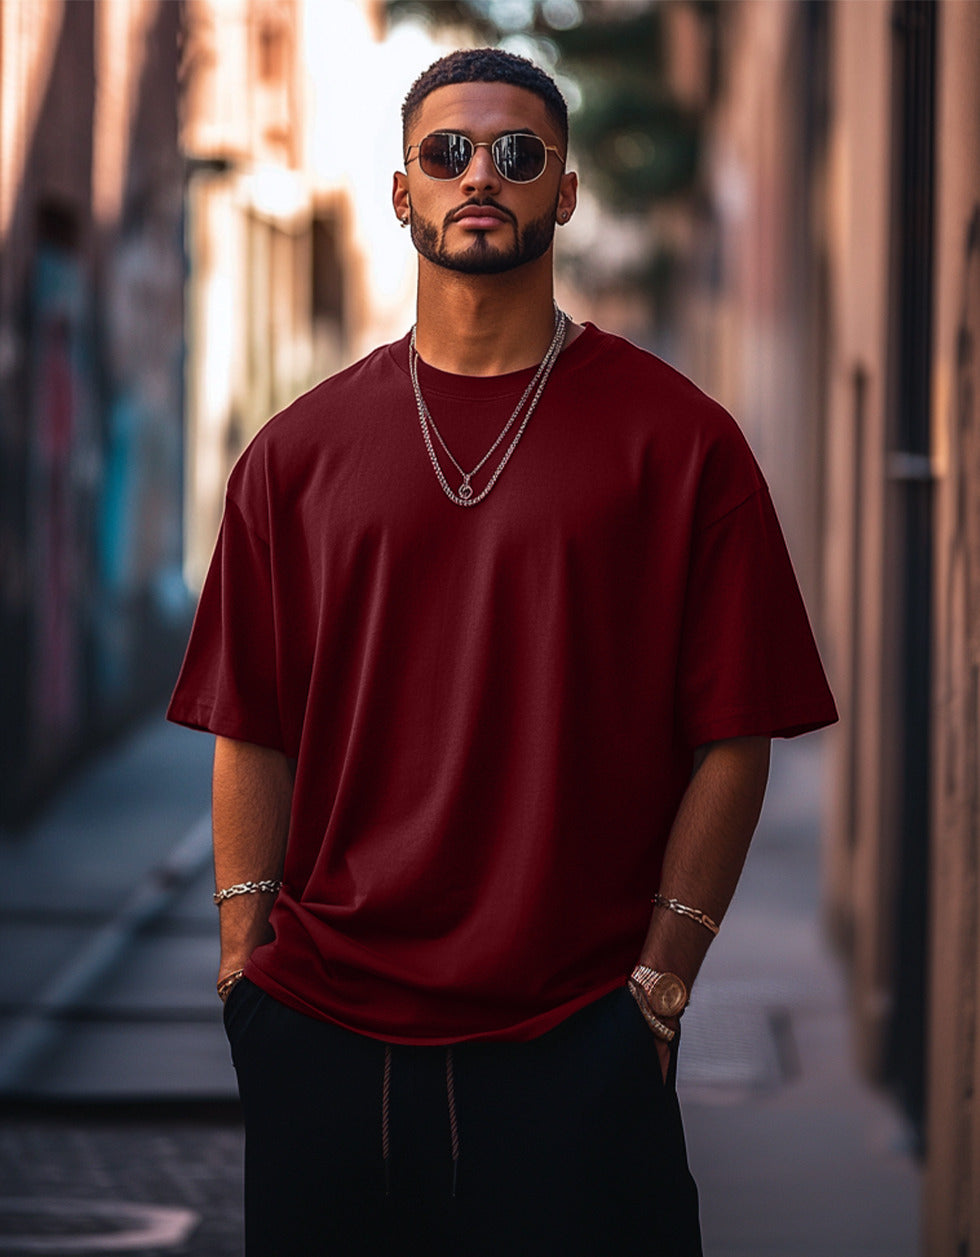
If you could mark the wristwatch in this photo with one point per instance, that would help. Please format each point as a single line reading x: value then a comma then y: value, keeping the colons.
x: 666, y: 993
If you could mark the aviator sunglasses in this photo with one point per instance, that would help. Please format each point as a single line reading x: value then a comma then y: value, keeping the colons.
x: 518, y: 157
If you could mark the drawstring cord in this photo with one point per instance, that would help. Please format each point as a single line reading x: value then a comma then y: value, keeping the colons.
x: 453, y: 1125
x: 386, y: 1117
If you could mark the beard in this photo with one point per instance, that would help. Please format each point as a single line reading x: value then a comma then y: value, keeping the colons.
x: 481, y: 257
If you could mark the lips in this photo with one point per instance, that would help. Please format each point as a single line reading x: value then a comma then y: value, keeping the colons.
x: 480, y: 217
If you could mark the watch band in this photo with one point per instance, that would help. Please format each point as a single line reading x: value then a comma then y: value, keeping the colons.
x: 664, y: 1032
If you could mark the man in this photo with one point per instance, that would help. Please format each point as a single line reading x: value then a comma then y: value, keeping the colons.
x: 498, y: 627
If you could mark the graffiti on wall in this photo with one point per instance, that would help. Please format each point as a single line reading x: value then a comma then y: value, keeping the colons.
x: 63, y: 463
x: 138, y: 544
x: 103, y: 537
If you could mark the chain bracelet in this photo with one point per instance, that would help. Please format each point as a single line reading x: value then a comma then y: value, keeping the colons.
x: 246, y: 888
x: 695, y: 914
x: 229, y: 981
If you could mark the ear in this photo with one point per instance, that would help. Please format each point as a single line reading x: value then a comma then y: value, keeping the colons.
x: 567, y: 196
x: 399, y: 196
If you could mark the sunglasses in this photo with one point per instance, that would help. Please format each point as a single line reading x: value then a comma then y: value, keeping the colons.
x: 518, y: 157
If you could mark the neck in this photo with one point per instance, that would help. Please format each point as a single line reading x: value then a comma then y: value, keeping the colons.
x: 484, y: 324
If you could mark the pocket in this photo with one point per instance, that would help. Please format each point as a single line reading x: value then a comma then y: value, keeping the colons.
x: 650, y: 1042
x: 231, y: 998
x: 239, y: 1008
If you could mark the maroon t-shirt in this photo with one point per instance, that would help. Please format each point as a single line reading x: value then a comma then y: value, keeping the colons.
x: 493, y: 709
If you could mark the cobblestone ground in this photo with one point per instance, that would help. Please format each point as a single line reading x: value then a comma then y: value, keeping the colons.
x: 160, y: 1183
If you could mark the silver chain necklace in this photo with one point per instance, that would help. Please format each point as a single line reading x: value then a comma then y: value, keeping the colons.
x: 464, y: 495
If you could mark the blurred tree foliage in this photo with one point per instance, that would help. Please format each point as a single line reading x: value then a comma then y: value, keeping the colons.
x: 639, y: 144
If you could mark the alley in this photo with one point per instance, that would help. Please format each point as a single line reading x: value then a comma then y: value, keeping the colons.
x: 119, y: 1116
x: 781, y: 199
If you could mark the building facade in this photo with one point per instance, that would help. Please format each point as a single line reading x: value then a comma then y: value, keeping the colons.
x: 843, y: 325
x: 953, y: 960
x: 91, y: 395
x: 296, y: 264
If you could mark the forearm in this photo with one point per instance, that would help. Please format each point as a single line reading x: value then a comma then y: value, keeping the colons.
x: 252, y: 789
x: 706, y: 850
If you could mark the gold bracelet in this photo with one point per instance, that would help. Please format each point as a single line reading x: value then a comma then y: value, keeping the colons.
x: 674, y: 905
x: 227, y: 982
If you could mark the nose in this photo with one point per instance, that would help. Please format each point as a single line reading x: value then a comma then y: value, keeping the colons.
x: 480, y: 176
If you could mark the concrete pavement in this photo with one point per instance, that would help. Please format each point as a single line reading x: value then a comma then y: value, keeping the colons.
x: 105, y: 917
x: 105, y: 908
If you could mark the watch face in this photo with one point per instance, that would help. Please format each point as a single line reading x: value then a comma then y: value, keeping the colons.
x: 668, y: 996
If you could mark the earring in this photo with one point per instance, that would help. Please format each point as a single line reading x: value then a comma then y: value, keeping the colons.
x: 563, y: 216
x: 404, y: 221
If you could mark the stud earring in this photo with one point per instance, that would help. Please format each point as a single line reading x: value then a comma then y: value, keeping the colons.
x: 404, y: 221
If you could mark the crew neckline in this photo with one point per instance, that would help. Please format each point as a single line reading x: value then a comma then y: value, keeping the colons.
x: 448, y: 384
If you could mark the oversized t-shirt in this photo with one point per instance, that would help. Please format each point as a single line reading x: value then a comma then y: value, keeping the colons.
x: 493, y: 709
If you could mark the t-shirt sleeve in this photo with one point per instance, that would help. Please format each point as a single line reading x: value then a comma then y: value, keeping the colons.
x: 749, y: 663
x: 227, y: 684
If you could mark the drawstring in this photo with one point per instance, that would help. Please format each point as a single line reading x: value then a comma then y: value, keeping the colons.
x: 453, y: 1125
x: 386, y: 1117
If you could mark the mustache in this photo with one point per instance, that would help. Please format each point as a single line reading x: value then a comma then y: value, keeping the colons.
x: 486, y: 203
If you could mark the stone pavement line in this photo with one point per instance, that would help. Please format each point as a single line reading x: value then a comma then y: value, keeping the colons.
x: 148, y: 1226
x: 37, y: 1030
x: 78, y: 1174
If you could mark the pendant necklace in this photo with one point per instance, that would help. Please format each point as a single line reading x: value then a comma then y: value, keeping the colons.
x: 464, y: 496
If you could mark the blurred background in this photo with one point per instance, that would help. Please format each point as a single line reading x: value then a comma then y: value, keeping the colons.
x: 781, y: 198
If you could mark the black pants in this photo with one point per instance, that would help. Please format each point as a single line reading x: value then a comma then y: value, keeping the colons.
x: 570, y: 1145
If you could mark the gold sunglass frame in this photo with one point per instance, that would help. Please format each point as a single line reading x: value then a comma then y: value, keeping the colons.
x: 548, y: 148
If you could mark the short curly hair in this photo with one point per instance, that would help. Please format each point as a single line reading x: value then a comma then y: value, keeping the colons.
x: 486, y: 65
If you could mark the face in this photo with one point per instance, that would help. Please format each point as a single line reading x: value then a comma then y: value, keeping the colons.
x: 518, y: 222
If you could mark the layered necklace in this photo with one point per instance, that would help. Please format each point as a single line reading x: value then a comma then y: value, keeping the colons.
x: 464, y: 495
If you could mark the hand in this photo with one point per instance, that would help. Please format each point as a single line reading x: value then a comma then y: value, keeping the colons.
x: 231, y: 961
x: 672, y: 1023
x: 227, y: 982
x: 663, y: 1048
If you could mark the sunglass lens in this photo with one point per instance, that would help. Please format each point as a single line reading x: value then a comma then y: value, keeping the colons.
x: 519, y: 158
x: 445, y: 156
